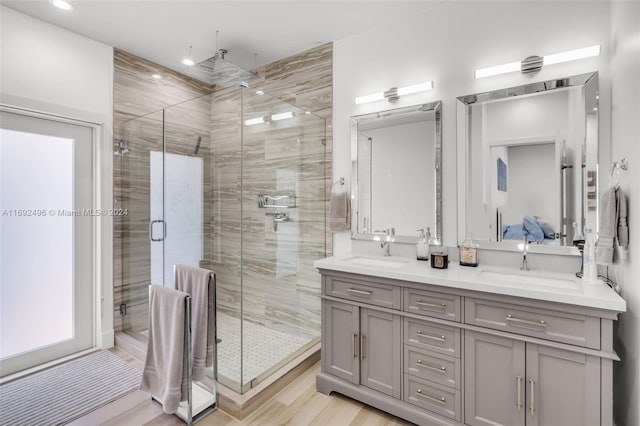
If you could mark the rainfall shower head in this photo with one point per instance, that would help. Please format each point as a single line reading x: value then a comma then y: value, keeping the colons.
x: 217, y: 70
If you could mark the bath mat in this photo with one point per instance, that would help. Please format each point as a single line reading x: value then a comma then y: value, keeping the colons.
x: 63, y: 393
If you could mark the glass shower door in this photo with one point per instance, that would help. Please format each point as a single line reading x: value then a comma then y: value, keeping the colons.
x: 141, y: 233
x: 186, y: 144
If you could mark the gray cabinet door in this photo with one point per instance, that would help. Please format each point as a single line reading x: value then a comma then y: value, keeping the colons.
x: 381, y: 347
x: 563, y: 388
x: 494, y: 380
x: 340, y: 341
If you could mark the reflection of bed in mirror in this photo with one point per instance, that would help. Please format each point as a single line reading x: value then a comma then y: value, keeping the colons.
x: 535, y: 228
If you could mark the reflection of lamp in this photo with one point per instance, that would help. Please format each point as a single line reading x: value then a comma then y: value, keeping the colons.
x: 394, y: 93
x: 282, y: 116
x: 188, y: 61
x: 268, y: 119
x: 533, y: 64
x: 252, y: 121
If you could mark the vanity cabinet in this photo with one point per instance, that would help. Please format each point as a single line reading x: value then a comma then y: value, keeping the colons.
x: 362, y: 346
x: 509, y: 382
x: 450, y: 356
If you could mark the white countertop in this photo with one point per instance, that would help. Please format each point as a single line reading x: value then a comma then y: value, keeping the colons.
x: 575, y: 292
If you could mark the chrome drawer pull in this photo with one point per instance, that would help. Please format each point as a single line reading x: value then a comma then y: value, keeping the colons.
x: 540, y: 323
x: 442, y: 369
x: 356, y: 291
x: 519, y: 403
x: 442, y: 400
x: 442, y: 306
x: 427, y: 336
x: 353, y: 345
x: 532, y: 409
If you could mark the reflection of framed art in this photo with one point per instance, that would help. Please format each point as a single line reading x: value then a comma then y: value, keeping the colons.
x: 502, y: 175
x: 592, y: 199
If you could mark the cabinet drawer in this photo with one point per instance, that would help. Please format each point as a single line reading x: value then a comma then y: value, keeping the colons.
x: 436, y: 368
x: 384, y: 295
x: 433, y: 397
x: 432, y: 304
x: 546, y: 324
x: 434, y: 337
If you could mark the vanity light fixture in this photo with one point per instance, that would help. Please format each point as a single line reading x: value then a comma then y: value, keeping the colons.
x: 393, y: 94
x: 533, y: 64
x: 61, y: 4
x: 282, y: 116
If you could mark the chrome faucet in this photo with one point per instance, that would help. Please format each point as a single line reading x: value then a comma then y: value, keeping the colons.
x: 386, y: 243
x: 525, y: 246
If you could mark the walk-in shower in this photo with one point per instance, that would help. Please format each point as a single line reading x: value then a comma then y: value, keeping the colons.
x: 191, y: 180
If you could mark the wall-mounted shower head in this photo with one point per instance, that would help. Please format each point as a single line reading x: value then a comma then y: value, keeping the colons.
x: 122, y: 148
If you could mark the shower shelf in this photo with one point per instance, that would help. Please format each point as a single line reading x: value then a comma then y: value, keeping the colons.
x: 266, y: 201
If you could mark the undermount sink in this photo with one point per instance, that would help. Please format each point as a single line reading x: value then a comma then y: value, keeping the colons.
x: 384, y: 262
x: 512, y: 276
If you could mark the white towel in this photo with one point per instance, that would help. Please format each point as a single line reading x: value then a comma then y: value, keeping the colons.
x: 196, y: 283
x: 339, y: 212
x: 614, y: 230
x: 166, y: 364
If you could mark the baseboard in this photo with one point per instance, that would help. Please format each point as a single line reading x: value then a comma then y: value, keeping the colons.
x: 107, y: 340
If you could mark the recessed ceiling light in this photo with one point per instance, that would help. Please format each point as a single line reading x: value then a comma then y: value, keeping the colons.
x: 62, y: 4
x: 188, y: 62
x: 156, y: 76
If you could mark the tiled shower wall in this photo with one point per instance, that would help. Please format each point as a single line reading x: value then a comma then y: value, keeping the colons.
x: 304, y: 80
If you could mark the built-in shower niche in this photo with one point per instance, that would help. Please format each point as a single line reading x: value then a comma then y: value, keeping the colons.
x: 244, y: 200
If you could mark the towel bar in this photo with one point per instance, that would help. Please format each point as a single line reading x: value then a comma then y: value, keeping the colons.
x: 186, y: 410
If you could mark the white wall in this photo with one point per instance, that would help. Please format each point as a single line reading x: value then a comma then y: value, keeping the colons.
x: 51, y: 70
x: 625, y: 137
x: 532, y: 184
x: 446, y: 44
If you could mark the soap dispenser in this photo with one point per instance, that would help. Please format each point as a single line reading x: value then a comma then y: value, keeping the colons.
x: 422, y: 246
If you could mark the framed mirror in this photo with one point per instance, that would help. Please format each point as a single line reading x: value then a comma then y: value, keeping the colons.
x: 396, y: 177
x: 527, y: 164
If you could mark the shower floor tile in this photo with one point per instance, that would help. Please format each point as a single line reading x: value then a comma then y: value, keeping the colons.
x: 263, y: 348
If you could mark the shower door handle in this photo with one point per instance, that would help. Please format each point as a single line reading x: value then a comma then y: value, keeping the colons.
x: 164, y: 230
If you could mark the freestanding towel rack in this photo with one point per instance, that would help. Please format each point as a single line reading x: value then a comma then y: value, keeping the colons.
x: 204, y: 401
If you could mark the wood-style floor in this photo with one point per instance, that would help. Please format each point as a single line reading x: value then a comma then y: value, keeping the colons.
x: 297, y: 404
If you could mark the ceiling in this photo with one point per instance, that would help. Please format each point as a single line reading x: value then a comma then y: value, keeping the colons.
x: 254, y: 32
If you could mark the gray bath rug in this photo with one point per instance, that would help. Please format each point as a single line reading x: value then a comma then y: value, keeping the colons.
x: 61, y: 394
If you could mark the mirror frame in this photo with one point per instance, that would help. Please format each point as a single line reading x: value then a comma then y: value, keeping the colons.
x: 590, y: 83
x: 436, y: 195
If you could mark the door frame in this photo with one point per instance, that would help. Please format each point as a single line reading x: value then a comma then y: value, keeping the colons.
x: 102, y: 225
